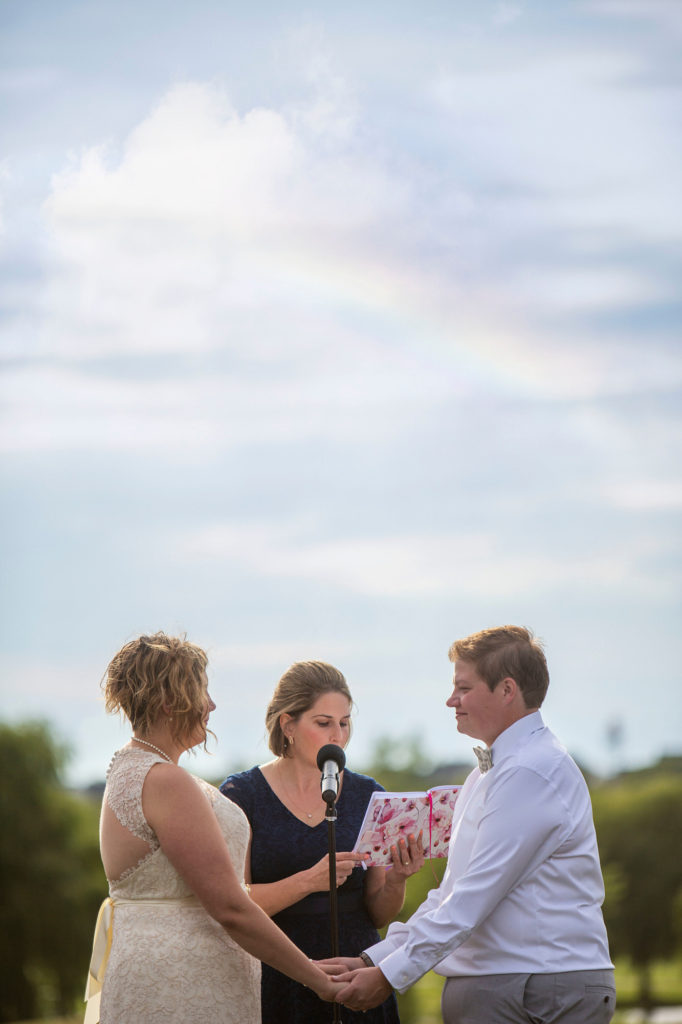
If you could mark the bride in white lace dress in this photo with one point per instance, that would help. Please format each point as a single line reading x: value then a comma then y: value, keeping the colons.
x: 177, y: 940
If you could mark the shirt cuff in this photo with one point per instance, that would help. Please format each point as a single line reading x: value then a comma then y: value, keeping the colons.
x: 399, y: 970
x: 380, y: 950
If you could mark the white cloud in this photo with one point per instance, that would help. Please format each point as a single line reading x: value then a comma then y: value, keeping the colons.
x: 204, y: 210
x: 412, y: 565
x: 56, y: 409
x: 666, y: 13
x: 660, y: 495
x: 275, y: 657
x: 506, y: 14
x: 583, y: 289
x: 45, y: 680
x: 282, y: 240
x: 640, y: 444
x: 575, y: 137
x: 348, y: 390
x: 4, y: 177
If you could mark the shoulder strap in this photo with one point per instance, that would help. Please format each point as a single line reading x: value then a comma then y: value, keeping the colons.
x: 123, y: 791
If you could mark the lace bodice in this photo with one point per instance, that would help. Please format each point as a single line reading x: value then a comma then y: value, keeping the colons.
x: 125, y: 778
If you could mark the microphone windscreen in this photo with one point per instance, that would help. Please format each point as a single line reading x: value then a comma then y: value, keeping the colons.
x: 330, y: 752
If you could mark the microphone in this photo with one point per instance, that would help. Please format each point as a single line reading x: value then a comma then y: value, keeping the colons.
x: 330, y: 760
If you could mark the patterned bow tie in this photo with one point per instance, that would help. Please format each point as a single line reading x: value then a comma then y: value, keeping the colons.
x: 485, y: 758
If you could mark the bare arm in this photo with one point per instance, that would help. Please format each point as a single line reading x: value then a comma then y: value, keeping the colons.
x: 188, y: 832
x: 275, y: 896
x: 385, y: 888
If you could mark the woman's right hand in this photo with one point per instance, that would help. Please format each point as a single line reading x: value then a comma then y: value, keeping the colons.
x: 326, y: 988
x: 318, y: 874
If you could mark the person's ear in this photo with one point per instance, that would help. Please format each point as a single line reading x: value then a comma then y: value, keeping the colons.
x: 285, y: 724
x: 509, y: 689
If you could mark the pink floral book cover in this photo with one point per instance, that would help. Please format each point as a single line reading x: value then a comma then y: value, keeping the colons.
x: 392, y: 816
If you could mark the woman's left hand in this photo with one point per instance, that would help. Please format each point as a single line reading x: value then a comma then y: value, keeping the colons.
x: 406, y: 857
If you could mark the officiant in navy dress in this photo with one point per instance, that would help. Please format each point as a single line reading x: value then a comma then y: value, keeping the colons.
x: 289, y: 863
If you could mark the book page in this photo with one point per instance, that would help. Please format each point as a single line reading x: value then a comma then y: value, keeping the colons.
x: 394, y: 816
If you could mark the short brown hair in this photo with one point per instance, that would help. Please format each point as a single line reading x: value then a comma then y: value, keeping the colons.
x: 296, y: 692
x: 159, y: 674
x: 507, y: 651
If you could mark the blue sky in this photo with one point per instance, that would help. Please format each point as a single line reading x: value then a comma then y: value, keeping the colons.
x: 341, y: 332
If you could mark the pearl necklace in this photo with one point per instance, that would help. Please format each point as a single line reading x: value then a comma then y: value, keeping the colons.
x: 157, y: 749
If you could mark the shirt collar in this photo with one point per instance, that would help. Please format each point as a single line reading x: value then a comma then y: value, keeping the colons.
x: 516, y: 735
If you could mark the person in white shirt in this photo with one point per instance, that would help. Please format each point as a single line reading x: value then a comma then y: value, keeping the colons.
x: 516, y: 925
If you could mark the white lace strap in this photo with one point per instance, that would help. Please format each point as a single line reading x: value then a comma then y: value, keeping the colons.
x: 123, y: 792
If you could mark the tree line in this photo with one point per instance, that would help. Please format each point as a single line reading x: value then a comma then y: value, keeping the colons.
x: 52, y: 882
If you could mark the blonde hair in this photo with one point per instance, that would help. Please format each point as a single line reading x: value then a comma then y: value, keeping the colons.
x: 503, y: 651
x: 159, y: 674
x: 296, y: 692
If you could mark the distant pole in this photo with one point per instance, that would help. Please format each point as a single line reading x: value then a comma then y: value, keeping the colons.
x: 615, y: 735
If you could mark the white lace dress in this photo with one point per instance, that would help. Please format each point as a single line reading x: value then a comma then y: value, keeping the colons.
x: 170, y: 962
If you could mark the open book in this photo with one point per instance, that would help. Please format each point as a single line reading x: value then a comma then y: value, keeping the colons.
x: 394, y: 816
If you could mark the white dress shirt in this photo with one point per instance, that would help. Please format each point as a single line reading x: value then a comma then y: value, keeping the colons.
x: 523, y: 888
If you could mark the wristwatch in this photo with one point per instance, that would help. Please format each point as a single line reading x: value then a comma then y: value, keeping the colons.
x: 367, y: 960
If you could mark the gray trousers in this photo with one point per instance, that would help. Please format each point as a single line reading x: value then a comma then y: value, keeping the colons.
x: 571, y: 997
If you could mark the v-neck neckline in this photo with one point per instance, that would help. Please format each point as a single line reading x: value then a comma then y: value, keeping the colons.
x: 287, y: 809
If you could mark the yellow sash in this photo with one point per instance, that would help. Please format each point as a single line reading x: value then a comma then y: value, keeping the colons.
x: 101, y: 946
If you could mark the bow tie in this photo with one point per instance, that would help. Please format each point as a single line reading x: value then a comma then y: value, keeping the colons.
x: 485, y: 758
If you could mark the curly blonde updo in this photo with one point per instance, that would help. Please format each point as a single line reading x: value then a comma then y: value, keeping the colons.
x: 296, y: 692
x: 159, y: 675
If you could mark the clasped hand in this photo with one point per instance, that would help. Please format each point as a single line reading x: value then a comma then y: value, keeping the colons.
x: 359, y: 987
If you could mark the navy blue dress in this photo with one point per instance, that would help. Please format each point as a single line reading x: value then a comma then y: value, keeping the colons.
x: 281, y: 846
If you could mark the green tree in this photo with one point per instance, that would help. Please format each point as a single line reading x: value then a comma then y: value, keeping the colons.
x: 639, y: 827
x: 401, y: 764
x: 51, y: 879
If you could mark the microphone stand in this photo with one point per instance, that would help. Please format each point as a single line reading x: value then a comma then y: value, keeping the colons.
x: 331, y: 761
x: 330, y: 818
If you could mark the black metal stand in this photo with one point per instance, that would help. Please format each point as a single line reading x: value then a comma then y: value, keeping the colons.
x: 331, y: 760
x: 330, y: 818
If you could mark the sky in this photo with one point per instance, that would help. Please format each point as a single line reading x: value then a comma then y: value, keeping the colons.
x: 341, y: 332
